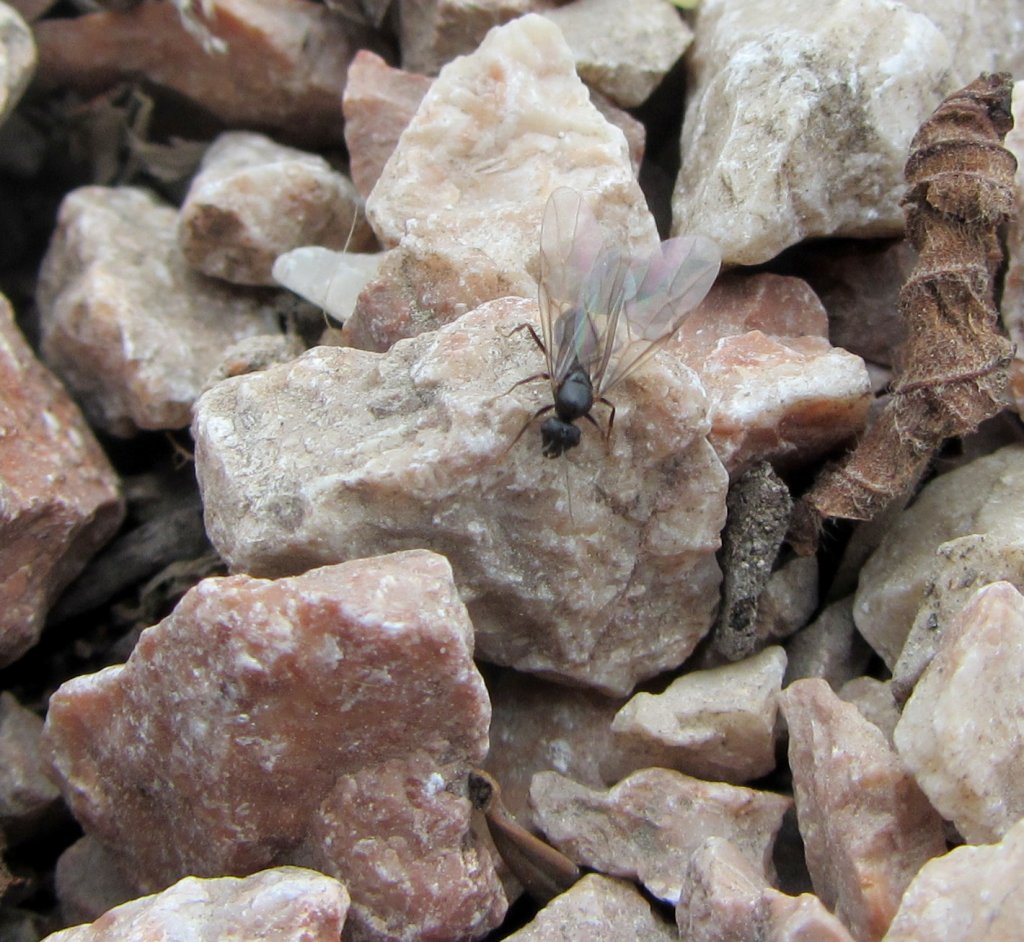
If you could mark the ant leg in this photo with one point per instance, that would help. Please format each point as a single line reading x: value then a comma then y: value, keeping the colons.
x: 611, y: 418
x: 536, y: 415
x: 533, y: 334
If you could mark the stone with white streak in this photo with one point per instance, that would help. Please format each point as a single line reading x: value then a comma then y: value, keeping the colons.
x: 727, y: 899
x: 962, y: 730
x: 17, y: 59
x: 131, y: 329
x: 285, y: 904
x: 254, y: 199
x: 60, y: 500
x: 327, y: 720
x: 646, y: 827
x: 345, y: 453
x: 867, y: 827
x: 716, y: 724
x: 972, y: 894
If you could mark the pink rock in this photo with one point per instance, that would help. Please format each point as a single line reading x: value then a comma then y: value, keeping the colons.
x: 254, y: 199
x: 598, y: 909
x: 27, y: 796
x: 127, y: 325
x: 647, y: 826
x: 61, y: 499
x: 286, y: 904
x: 962, y: 730
x: 972, y: 894
x: 829, y: 647
x: 344, y: 454
x: 875, y: 701
x: 329, y: 719
x: 88, y: 882
x: 277, y: 66
x: 725, y: 898
x: 867, y: 827
x: 18, y: 58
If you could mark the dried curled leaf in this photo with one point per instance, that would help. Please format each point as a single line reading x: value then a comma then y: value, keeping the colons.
x: 955, y: 362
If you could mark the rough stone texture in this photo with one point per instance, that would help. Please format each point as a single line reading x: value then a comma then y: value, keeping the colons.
x: 282, y: 66
x: 725, y: 898
x: 972, y: 894
x: 60, y: 500
x: 599, y: 567
x: 830, y: 128
x: 17, y: 59
x: 1012, y: 304
x: 286, y: 904
x: 875, y: 701
x: 717, y: 724
x: 776, y: 388
x: 598, y: 909
x: 829, y: 647
x: 628, y: 62
x: 981, y: 497
x: 328, y: 720
x: 254, y: 199
x: 962, y: 730
x: 867, y: 827
x: 646, y: 827
x: 463, y: 194
x: 27, y: 796
x: 88, y: 883
x: 126, y: 324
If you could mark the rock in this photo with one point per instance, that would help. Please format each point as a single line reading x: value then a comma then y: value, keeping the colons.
x: 628, y: 62
x: 646, y: 827
x: 88, y: 882
x: 252, y: 354
x: 463, y: 194
x: 286, y: 904
x: 344, y: 454
x: 875, y: 701
x: 829, y: 647
x: 867, y: 827
x: 60, y: 499
x: 330, y: 280
x: 980, y: 497
x: 972, y: 894
x: 598, y: 909
x: 17, y: 59
x: 270, y: 67
x: 1012, y: 304
x: 27, y: 796
x: 789, y: 600
x: 962, y: 730
x: 716, y: 724
x: 830, y: 130
x: 328, y: 720
x: 127, y: 325
x: 254, y: 199
x: 725, y: 898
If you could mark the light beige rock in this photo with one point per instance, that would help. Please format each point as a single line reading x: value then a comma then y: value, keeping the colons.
x: 286, y: 904
x: 254, y: 199
x: 88, y: 882
x: 328, y: 720
x: 276, y: 67
x: 598, y: 909
x: 829, y: 647
x: 17, y: 59
x: 981, y: 497
x: 344, y: 454
x: 726, y: 898
x: 628, y: 61
x: 875, y: 701
x: 60, y: 499
x: 972, y: 894
x: 27, y: 796
x: 126, y: 324
x: 330, y: 280
x: 716, y: 724
x: 867, y: 827
x: 962, y: 730
x: 646, y: 827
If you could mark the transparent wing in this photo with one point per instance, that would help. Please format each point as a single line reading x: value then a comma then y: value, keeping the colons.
x: 658, y: 294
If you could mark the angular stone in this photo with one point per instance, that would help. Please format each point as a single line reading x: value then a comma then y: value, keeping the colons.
x: 829, y: 647
x: 628, y: 62
x: 725, y: 898
x: 344, y: 454
x: 60, y: 500
x: 867, y: 827
x: 647, y: 826
x: 274, y: 67
x: 17, y: 59
x: 127, y: 325
x: 972, y: 894
x: 598, y: 909
x: 962, y: 730
x: 285, y: 904
x: 328, y: 719
x: 27, y: 796
x: 330, y: 280
x: 88, y: 882
x: 254, y: 199
x: 875, y: 701
x: 789, y: 599
x: 981, y: 497
x: 716, y: 724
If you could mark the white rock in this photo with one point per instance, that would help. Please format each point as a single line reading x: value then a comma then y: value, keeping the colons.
x: 331, y: 280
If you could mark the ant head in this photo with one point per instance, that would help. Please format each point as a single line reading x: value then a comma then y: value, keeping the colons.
x: 557, y: 437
